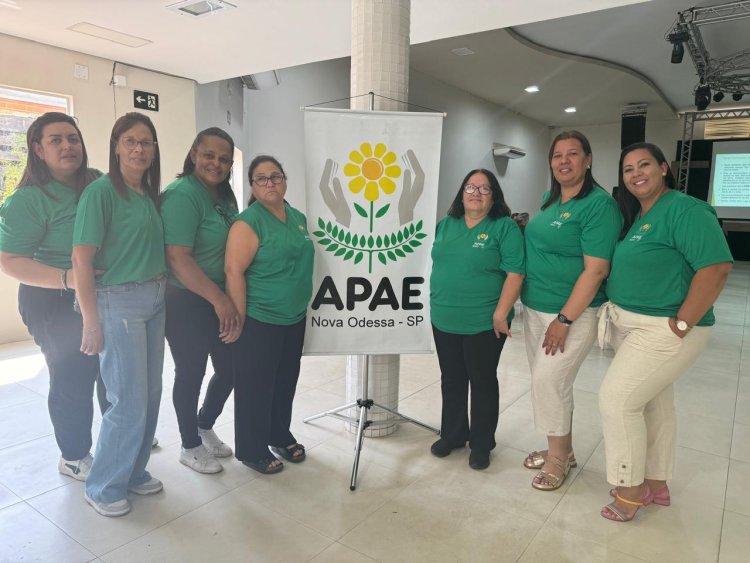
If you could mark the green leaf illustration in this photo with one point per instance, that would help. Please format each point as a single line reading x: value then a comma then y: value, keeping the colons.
x: 319, y: 234
x: 358, y: 257
x: 383, y: 210
x: 407, y: 248
x: 340, y: 252
x: 340, y: 236
x: 348, y: 238
x: 335, y: 230
x: 400, y: 236
x: 332, y: 247
x: 329, y: 227
x: 349, y: 254
x: 415, y: 243
x: 325, y: 241
x: 381, y: 257
x: 360, y: 210
x: 355, y: 240
x: 411, y: 229
x: 379, y: 242
x: 419, y: 225
x: 399, y: 252
x: 370, y: 241
x: 391, y: 255
x: 321, y: 223
x: 420, y: 235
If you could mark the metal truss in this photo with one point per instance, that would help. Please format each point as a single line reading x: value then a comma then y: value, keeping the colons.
x: 730, y: 74
x: 688, y: 128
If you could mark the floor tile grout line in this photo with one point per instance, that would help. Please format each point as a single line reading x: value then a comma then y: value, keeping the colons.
x: 32, y: 507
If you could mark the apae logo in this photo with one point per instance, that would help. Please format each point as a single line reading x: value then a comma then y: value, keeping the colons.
x: 373, y: 173
x: 642, y: 231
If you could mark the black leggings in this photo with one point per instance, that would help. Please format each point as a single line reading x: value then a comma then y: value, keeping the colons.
x: 266, y: 368
x: 192, y: 331
x: 469, y: 360
x: 50, y: 318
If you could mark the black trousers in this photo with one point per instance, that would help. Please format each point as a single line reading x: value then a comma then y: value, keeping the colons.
x: 192, y: 330
x: 50, y: 318
x: 469, y: 360
x: 266, y: 368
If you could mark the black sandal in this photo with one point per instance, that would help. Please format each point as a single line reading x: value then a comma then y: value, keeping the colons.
x: 288, y: 453
x: 265, y: 466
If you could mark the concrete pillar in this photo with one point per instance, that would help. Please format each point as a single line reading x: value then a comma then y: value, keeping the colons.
x: 380, y: 64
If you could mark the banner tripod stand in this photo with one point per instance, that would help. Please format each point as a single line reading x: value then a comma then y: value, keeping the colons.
x: 364, y: 404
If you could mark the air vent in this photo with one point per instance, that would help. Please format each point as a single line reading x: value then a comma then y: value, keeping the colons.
x: 200, y: 8
x: 261, y: 80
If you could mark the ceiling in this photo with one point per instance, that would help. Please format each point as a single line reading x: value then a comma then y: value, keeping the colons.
x: 626, y: 36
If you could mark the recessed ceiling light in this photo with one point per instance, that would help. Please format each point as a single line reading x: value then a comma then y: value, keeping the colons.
x: 571, y: 109
x: 532, y: 89
x: 109, y: 34
x: 462, y: 51
x: 199, y: 8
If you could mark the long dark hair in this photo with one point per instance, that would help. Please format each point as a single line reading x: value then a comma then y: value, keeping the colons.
x: 152, y: 178
x: 627, y: 202
x: 257, y: 161
x: 188, y: 167
x: 499, y: 207
x: 37, y: 172
x: 588, y: 179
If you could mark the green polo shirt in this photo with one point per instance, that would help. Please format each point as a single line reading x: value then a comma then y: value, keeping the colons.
x: 40, y: 225
x: 557, y: 239
x: 127, y: 233
x: 654, y: 264
x: 469, y: 267
x: 279, y: 280
x: 191, y: 218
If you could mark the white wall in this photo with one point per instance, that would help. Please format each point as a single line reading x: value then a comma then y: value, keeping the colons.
x: 605, y: 145
x: 273, y: 119
x: 470, y: 128
x: 29, y: 65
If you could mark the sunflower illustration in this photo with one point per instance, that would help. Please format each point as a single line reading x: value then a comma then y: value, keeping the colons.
x: 372, y: 170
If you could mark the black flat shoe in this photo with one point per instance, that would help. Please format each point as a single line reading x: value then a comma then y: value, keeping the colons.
x: 289, y: 453
x: 442, y: 448
x: 266, y: 466
x: 479, y: 459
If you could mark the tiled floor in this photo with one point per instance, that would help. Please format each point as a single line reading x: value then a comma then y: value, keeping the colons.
x: 409, y: 506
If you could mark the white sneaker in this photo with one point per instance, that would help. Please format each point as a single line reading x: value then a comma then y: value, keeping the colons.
x: 213, y: 443
x: 200, y: 460
x: 150, y: 487
x: 78, y: 469
x: 117, y: 508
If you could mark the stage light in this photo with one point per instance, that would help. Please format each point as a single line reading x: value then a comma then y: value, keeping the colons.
x: 718, y: 97
x: 678, y: 51
x: 737, y: 96
x: 702, y: 97
x: 677, y: 39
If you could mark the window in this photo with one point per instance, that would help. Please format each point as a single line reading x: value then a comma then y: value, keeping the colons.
x: 18, y: 109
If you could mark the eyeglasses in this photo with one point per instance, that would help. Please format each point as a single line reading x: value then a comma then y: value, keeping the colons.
x: 471, y: 188
x: 228, y: 220
x: 274, y: 178
x: 130, y: 143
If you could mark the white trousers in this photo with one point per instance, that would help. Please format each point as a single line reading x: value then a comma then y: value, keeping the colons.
x: 552, y: 377
x: 636, y: 398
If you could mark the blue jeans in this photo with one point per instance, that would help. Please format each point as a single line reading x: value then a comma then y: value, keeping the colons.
x: 132, y: 319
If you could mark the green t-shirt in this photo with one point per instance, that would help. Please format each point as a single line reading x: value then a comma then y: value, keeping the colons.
x: 279, y: 280
x: 192, y: 219
x: 557, y: 238
x: 469, y: 267
x: 128, y: 233
x: 40, y: 225
x: 654, y: 264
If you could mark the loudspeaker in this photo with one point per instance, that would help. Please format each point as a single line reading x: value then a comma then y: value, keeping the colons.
x: 632, y: 129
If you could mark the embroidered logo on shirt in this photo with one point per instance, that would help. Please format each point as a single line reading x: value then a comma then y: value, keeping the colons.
x: 481, y: 238
x: 303, y: 231
x: 559, y: 221
x: 642, y: 231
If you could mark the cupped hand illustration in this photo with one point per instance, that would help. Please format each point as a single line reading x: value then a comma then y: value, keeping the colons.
x: 412, y: 190
x: 333, y: 194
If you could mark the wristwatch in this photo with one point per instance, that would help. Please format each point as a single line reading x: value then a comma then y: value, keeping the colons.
x: 681, y: 325
x: 564, y: 320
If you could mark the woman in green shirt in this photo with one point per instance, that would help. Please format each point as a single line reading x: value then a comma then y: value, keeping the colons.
x: 197, y: 210
x: 569, y: 244
x: 118, y: 230
x: 477, y: 272
x: 36, y: 237
x: 269, y: 261
x: 668, y: 269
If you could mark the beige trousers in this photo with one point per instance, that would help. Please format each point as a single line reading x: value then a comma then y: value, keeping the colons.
x: 552, y: 377
x: 636, y: 397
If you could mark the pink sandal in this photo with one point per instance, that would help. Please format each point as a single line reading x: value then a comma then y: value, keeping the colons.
x: 611, y: 512
x: 661, y: 496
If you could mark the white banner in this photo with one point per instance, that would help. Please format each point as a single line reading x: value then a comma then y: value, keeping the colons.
x: 372, y: 182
